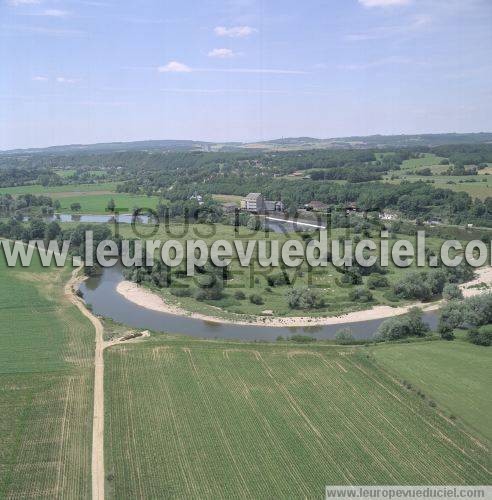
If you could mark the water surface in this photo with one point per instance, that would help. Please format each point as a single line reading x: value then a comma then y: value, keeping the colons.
x: 100, y: 292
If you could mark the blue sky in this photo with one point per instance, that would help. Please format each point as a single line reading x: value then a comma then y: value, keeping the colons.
x: 84, y: 71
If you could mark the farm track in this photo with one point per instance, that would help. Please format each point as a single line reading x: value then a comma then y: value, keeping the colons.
x: 97, y: 468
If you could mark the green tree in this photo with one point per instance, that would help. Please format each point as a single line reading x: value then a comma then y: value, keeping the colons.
x: 111, y: 205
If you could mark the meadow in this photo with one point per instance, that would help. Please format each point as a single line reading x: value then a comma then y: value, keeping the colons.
x: 188, y: 418
x: 97, y: 203
x: 456, y: 375
x: 59, y: 191
x: 254, y: 279
x: 477, y: 186
x: 93, y: 198
x: 46, y: 377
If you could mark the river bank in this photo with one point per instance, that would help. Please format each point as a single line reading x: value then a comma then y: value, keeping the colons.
x: 152, y: 301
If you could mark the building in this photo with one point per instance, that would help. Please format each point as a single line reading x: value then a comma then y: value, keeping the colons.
x: 317, y: 206
x: 274, y: 206
x: 388, y: 216
x: 229, y: 207
x: 197, y: 197
x: 254, y: 202
x: 351, y: 208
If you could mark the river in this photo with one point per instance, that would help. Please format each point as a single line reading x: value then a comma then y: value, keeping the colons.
x: 100, y: 292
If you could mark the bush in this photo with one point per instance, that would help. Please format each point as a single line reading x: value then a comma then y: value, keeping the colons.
x: 211, y: 286
x: 377, y: 281
x: 344, y: 336
x: 181, y: 292
x: 200, y: 294
x: 239, y: 295
x: 254, y: 298
x: 452, y: 292
x: 351, y: 278
x: 409, y: 325
x: 481, y: 336
x: 305, y: 298
x: 302, y: 339
x: 413, y: 286
x: 475, y: 311
x: 360, y: 294
x: 277, y: 279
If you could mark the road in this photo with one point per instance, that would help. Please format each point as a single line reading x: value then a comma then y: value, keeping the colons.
x: 97, y: 467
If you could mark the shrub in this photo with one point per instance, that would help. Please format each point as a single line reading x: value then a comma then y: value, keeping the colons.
x: 305, y: 298
x: 278, y: 279
x: 239, y: 295
x: 413, y: 286
x: 181, y: 292
x: 351, y: 278
x: 481, y: 336
x: 377, y: 281
x: 302, y: 339
x: 475, y: 311
x: 409, y: 325
x: 452, y: 292
x: 254, y: 298
x: 200, y: 294
x: 344, y: 336
x: 361, y: 294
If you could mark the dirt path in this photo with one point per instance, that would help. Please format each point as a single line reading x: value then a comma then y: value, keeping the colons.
x: 98, y: 476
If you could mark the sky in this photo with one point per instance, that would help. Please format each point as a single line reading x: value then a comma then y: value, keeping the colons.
x: 87, y: 71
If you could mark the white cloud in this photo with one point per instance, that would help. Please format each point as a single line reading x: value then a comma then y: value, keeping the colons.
x: 174, y: 67
x: 257, y: 70
x: 16, y: 3
x: 378, y: 63
x: 234, y: 31
x: 222, y: 53
x: 177, y: 67
x: 62, y: 79
x: 54, y: 13
x: 40, y: 78
x: 383, y: 3
x: 40, y: 30
x: 417, y: 24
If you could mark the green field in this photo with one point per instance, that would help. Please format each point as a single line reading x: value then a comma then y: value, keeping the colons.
x: 97, y: 203
x: 201, y: 419
x: 477, y: 186
x: 426, y: 160
x: 46, y: 375
x: 478, y: 189
x: 457, y: 375
x: 59, y: 191
x: 93, y: 198
x: 254, y: 279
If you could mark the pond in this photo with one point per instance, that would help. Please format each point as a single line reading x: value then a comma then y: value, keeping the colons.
x: 100, y: 292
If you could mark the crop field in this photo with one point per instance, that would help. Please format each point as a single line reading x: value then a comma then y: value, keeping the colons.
x: 97, y: 203
x: 45, y: 387
x: 193, y: 419
x: 93, y: 198
x: 58, y: 191
x: 455, y: 374
x: 477, y: 186
x: 427, y: 160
